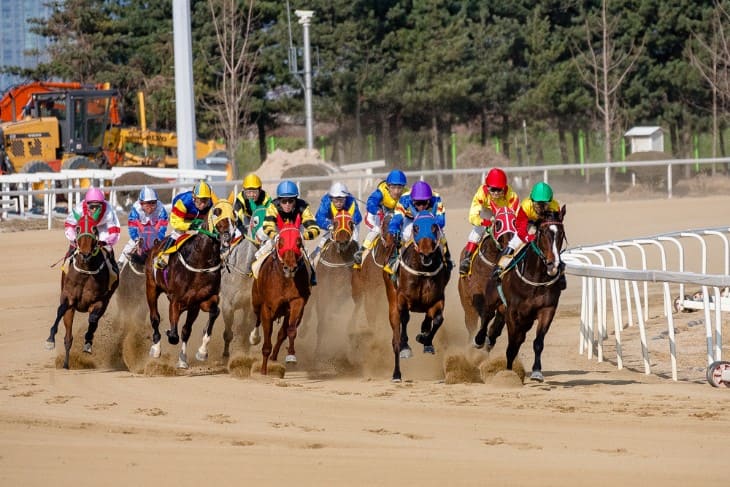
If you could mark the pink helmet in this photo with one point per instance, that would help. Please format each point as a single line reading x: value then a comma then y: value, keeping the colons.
x: 94, y: 194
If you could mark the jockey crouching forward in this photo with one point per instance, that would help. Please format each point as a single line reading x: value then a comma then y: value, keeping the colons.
x: 532, y: 210
x: 420, y: 198
x: 381, y: 202
x: 287, y: 206
x: 338, y: 198
x: 105, y: 218
x: 189, y: 211
x: 147, y: 216
x: 494, y: 193
x: 247, y: 202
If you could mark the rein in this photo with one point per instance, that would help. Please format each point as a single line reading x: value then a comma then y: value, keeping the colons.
x: 84, y: 271
x: 415, y: 272
x: 195, y: 269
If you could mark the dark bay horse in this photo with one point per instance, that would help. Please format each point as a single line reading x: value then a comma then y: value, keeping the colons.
x: 334, y: 272
x: 422, y: 275
x: 367, y: 283
x: 530, y: 291
x: 191, y: 281
x: 84, y: 287
x: 281, y: 290
x: 471, y: 287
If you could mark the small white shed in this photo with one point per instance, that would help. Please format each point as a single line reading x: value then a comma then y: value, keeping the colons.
x: 643, y: 139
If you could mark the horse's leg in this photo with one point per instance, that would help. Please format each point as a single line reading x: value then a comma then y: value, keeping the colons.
x: 175, y: 311
x: 516, y: 331
x: 404, y: 317
x: 95, y: 314
x: 153, y: 294
x: 228, y: 311
x: 469, y: 304
x: 280, y: 337
x: 296, y: 310
x: 495, y: 328
x: 544, y: 320
x: 211, y: 306
x: 266, y: 320
x: 431, y: 323
x: 51, y: 341
x: 192, y: 314
x: 394, y: 318
x: 68, y: 322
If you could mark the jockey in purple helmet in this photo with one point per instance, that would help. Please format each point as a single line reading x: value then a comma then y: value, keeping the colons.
x: 420, y: 198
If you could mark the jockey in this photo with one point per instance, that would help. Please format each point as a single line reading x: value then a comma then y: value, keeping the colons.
x: 148, y: 214
x: 188, y: 211
x: 531, y: 211
x: 494, y: 193
x: 338, y: 198
x: 287, y: 205
x: 247, y: 201
x: 96, y: 206
x: 420, y: 198
x: 380, y: 202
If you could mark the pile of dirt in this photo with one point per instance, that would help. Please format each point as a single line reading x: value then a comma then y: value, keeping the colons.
x: 292, y: 165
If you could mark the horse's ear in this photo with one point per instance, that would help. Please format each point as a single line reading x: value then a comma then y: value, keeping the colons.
x: 435, y: 229
x: 562, y: 212
x: 415, y: 229
x: 78, y: 229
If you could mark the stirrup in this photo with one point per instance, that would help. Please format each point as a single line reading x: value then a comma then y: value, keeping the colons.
x: 160, y: 262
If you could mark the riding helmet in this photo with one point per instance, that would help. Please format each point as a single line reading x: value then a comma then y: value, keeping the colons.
x: 202, y: 190
x: 421, y: 191
x: 496, y: 178
x: 338, y: 190
x: 396, y: 177
x: 148, y: 194
x: 94, y: 194
x: 252, y: 181
x: 541, y: 193
x: 287, y: 189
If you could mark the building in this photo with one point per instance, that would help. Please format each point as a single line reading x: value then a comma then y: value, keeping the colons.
x: 16, y: 38
x: 644, y: 139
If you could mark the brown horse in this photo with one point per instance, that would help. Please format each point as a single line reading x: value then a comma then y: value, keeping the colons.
x: 422, y: 275
x: 530, y: 291
x: 367, y: 288
x: 471, y: 287
x: 191, y: 281
x: 334, y: 271
x: 84, y: 287
x: 281, y: 290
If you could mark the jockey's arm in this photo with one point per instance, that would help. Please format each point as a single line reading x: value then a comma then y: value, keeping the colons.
x: 133, y: 224
x: 375, y: 201
x: 356, y: 215
x: 162, y: 222
x: 478, y: 205
x: 71, y: 221
x: 269, y: 225
x: 439, y: 212
x: 109, y: 229
x: 311, y: 230
x: 322, y: 217
x: 522, y: 223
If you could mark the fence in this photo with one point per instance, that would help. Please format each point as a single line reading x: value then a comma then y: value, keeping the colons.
x: 607, y: 268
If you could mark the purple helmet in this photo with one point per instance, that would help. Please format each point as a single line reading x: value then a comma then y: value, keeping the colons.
x: 421, y: 191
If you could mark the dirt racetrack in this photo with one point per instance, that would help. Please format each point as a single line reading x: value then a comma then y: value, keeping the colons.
x: 115, y: 419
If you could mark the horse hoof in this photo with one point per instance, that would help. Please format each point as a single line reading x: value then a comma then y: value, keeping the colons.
x: 420, y: 338
x: 50, y: 345
x: 475, y: 344
x: 429, y: 349
x: 155, y: 350
x: 174, y: 339
x: 537, y: 376
x: 181, y: 364
x: 406, y: 353
x: 396, y: 380
x: 87, y: 347
x: 201, y: 356
x: 254, y: 338
x: 290, y: 359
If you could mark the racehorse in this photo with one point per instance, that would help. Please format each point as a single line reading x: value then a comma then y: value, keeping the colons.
x: 530, y: 291
x: 84, y: 287
x: 334, y: 270
x: 367, y: 288
x: 281, y: 290
x: 471, y: 287
x: 422, y: 275
x: 235, y: 293
x: 191, y: 281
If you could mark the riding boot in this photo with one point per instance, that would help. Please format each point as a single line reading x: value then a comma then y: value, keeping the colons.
x: 503, y: 261
x: 357, y: 257
x: 390, y: 266
x: 465, y: 264
x: 162, y: 258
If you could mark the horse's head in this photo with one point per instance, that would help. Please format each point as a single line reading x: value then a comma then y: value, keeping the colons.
x: 289, y: 248
x: 342, y: 231
x: 87, y: 238
x: 503, y: 227
x: 426, y: 236
x: 221, y: 223
x: 550, y: 240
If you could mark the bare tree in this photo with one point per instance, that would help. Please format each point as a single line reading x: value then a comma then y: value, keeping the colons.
x: 604, y: 67
x: 710, y: 54
x: 232, y: 20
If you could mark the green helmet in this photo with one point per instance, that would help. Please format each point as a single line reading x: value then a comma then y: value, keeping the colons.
x: 541, y: 193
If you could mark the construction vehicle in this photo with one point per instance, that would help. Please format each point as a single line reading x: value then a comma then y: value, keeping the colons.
x: 46, y: 127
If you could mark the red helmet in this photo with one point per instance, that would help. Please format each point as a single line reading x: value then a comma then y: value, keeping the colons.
x: 496, y: 178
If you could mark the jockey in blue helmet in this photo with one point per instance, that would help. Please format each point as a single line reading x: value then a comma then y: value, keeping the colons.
x: 380, y: 202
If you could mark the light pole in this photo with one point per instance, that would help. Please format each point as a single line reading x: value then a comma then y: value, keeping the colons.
x: 184, y: 109
x: 305, y: 16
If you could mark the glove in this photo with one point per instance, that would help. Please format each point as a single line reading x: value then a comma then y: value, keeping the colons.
x: 308, y: 235
x: 486, y: 223
x: 530, y: 237
x: 330, y: 227
x: 195, y: 224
